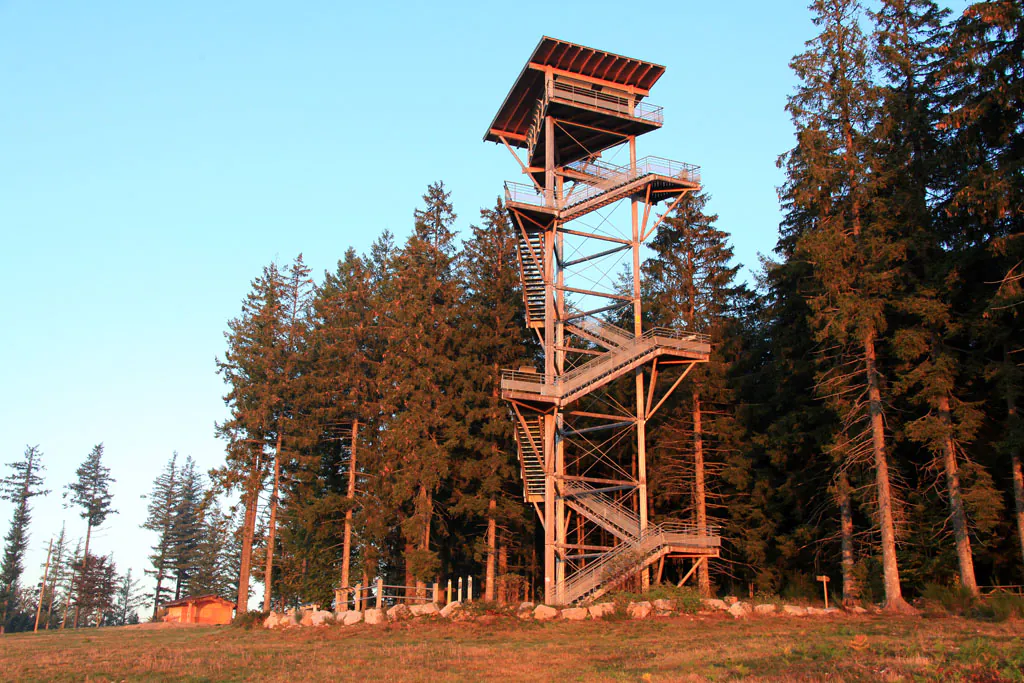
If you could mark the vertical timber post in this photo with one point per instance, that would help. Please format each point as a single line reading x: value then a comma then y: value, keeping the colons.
x: 641, y: 418
x: 549, y: 509
x: 346, y: 553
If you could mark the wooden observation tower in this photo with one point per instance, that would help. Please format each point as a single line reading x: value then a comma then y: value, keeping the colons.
x: 571, y: 120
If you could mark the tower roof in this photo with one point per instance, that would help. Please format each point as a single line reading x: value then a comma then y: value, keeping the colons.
x: 568, y: 59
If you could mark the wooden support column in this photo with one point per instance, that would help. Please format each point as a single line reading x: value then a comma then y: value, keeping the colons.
x: 549, y: 509
x: 560, y: 527
x: 641, y: 413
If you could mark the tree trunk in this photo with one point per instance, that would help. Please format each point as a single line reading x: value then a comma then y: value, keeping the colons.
x: 851, y: 591
x: 890, y: 569
x: 961, y: 532
x: 245, y: 564
x: 346, y: 556
x: 268, y: 576
x: 85, y: 564
x: 489, y: 577
x: 503, y: 571
x: 1013, y: 428
x: 410, y: 590
x: 699, y: 496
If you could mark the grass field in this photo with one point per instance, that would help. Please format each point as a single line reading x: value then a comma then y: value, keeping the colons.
x: 685, y: 648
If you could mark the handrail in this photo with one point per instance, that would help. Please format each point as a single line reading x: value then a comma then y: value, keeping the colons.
x: 602, y: 100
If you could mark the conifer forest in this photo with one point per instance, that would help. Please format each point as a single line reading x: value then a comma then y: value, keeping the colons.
x: 860, y: 416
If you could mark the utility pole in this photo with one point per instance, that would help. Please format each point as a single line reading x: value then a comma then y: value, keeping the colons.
x: 42, y: 586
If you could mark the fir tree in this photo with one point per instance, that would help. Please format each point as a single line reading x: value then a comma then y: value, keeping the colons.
x: 128, y: 597
x: 853, y: 256
x: 91, y: 492
x: 160, y: 520
x: 19, y: 487
x: 186, y: 527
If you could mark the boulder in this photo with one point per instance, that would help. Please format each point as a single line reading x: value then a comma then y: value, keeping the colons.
x: 794, y: 610
x: 574, y: 613
x: 306, y: 619
x: 525, y: 606
x: 374, y: 617
x: 664, y: 607
x: 739, y: 610
x: 601, y: 610
x: 764, y: 609
x: 428, y: 609
x: 544, y: 613
x: 399, y: 612
x: 639, y: 610
x: 339, y: 617
x: 819, y: 612
x: 320, y: 618
x: 451, y: 609
x: 714, y: 603
x: 730, y: 600
x: 271, y: 620
x: 352, y: 618
x: 856, y: 609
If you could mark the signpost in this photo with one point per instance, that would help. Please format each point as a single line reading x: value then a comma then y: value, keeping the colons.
x: 824, y: 586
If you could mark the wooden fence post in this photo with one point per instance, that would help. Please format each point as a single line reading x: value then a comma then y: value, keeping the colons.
x: 460, y: 590
x: 469, y: 590
x: 448, y: 600
x: 380, y: 593
x: 437, y: 592
x: 357, y: 602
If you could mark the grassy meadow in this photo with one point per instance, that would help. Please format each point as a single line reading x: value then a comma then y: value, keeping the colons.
x: 682, y: 648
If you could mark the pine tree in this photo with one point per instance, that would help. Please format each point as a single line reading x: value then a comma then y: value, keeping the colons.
x: 19, y: 487
x: 186, y: 527
x: 56, y: 580
x: 94, y: 594
x: 417, y: 376
x: 691, y: 283
x: 127, y: 599
x: 249, y: 370
x: 853, y: 256
x: 160, y: 520
x: 491, y: 335
x: 91, y: 492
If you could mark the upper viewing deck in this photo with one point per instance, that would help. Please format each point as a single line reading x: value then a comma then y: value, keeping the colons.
x: 598, y: 94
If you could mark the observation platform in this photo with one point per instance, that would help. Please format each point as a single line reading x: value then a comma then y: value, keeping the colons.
x: 625, y: 353
x: 598, y: 184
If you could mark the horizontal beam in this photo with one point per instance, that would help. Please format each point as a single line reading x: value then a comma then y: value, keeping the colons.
x: 595, y: 236
x: 591, y: 292
x: 597, y: 428
x: 606, y: 252
x: 632, y: 89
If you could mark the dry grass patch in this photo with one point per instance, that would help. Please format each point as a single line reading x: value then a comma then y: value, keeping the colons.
x: 683, y: 648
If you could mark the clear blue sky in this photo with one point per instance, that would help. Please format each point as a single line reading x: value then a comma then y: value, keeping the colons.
x: 154, y: 156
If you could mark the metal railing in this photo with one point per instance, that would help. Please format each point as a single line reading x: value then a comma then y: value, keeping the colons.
x: 606, y: 177
x: 598, y: 99
x: 602, y: 507
x: 675, y: 333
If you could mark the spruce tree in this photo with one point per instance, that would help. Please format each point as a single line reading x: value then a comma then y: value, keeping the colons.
x: 127, y: 599
x: 853, y: 256
x: 163, y: 501
x: 91, y: 492
x: 186, y: 527
x: 19, y: 487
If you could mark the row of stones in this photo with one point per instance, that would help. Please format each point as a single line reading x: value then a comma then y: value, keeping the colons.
x: 352, y: 617
x: 527, y: 610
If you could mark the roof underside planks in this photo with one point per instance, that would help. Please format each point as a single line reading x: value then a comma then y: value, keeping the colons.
x: 513, y: 118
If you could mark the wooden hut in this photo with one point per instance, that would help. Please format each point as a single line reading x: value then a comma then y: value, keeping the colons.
x: 199, y: 609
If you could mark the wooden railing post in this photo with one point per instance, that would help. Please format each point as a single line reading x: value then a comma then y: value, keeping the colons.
x: 448, y: 600
x: 460, y: 590
x: 469, y: 590
x: 380, y: 593
x: 357, y: 598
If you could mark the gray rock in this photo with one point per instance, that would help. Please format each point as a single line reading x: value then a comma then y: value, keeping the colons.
x: 352, y: 618
x: 856, y: 609
x: 425, y: 610
x: 374, y: 617
x: 339, y: 617
x: 320, y: 618
x: 819, y: 612
x: 574, y: 613
x: 731, y: 600
x: 451, y: 609
x: 663, y: 607
x: 764, y: 609
x: 740, y: 610
x: 544, y: 613
x: 714, y: 603
x: 794, y: 610
x: 525, y: 606
x: 271, y: 620
x: 400, y: 612
x: 601, y: 610
x: 639, y: 610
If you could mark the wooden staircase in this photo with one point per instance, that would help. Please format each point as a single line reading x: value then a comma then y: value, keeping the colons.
x: 530, y: 440
x: 531, y: 275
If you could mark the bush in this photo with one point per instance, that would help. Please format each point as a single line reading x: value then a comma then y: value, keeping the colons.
x: 953, y: 599
x: 250, y: 620
x: 999, y: 607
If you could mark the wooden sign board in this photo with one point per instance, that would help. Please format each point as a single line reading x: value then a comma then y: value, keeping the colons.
x: 824, y: 579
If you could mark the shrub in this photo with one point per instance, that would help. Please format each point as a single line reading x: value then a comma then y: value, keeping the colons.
x: 999, y: 607
x: 953, y: 599
x: 250, y: 620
